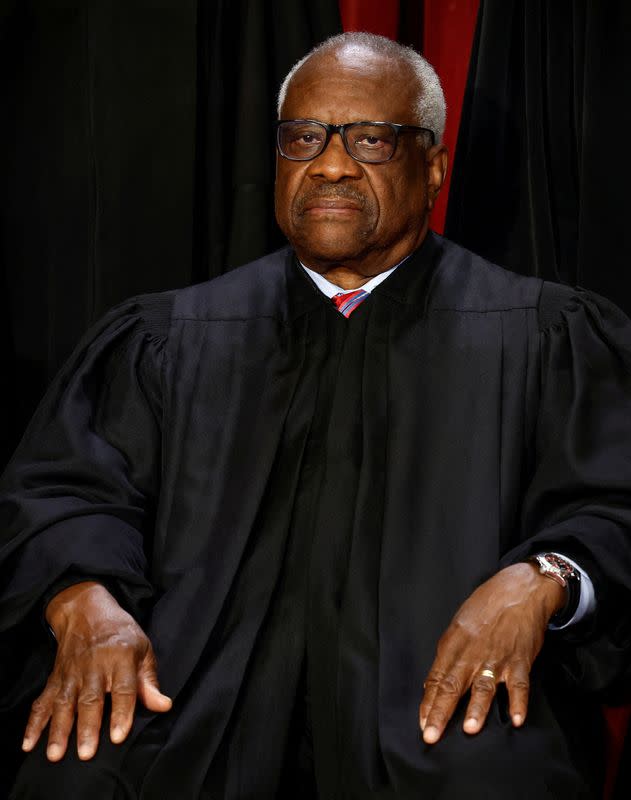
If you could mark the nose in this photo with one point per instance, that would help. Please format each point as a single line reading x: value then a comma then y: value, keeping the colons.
x: 334, y: 164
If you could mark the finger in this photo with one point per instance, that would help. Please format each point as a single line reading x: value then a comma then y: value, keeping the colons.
x: 124, y: 691
x: 482, y: 693
x: 448, y: 693
x: 90, y: 716
x: 62, y: 720
x: 518, y: 686
x: 41, y: 712
x: 430, y: 687
x: 149, y: 688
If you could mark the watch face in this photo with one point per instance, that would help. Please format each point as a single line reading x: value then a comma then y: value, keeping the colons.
x: 559, y: 564
x: 555, y: 566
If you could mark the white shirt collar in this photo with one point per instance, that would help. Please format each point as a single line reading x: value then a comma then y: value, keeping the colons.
x: 330, y: 289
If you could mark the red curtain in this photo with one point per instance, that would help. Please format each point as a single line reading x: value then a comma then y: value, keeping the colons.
x: 448, y: 30
x: 447, y: 35
x: 617, y: 721
x: 374, y: 16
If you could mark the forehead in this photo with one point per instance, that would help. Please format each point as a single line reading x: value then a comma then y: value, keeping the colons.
x: 352, y: 84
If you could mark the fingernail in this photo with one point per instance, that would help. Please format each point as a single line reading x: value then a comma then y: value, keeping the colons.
x: 423, y: 722
x: 117, y: 734
x: 471, y: 723
x: 54, y: 751
x: 430, y: 735
x: 518, y: 719
x: 85, y: 750
x: 27, y: 744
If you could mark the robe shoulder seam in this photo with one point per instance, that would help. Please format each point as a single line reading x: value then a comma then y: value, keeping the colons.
x: 553, y: 300
x: 152, y: 313
x: 180, y: 318
x: 483, y: 310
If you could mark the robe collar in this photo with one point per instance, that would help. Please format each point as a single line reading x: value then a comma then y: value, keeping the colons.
x: 409, y: 284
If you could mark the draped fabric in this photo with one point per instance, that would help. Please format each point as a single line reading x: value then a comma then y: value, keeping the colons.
x: 136, y: 154
x: 538, y: 178
x: 374, y: 16
x: 97, y: 154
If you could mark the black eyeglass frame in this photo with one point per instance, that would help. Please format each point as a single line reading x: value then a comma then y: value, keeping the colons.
x: 341, y: 129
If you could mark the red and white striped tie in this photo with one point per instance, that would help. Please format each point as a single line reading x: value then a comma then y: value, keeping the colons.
x: 347, y: 302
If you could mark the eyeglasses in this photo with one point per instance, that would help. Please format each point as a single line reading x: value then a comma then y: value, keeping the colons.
x: 369, y: 142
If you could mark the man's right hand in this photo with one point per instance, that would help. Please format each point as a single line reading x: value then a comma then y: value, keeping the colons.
x: 100, y: 649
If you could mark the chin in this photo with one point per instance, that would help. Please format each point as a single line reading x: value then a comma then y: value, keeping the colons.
x: 330, y: 246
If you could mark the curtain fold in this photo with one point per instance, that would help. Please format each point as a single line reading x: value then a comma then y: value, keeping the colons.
x: 97, y: 155
x: 136, y: 154
x: 538, y: 184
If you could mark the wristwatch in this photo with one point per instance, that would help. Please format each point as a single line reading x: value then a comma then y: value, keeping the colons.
x: 562, y: 572
x: 553, y: 566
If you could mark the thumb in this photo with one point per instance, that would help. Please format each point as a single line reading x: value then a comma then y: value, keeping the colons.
x: 149, y: 688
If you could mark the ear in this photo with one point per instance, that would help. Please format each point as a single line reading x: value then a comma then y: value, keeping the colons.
x: 437, y: 159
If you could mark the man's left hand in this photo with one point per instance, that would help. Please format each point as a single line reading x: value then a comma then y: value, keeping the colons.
x: 494, y: 638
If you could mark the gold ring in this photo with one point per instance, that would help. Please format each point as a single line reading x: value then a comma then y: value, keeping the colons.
x: 487, y: 673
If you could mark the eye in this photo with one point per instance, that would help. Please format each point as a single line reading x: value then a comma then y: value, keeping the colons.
x: 309, y: 138
x: 370, y: 141
x: 306, y: 137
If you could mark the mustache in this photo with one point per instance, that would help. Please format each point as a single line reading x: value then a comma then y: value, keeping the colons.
x: 330, y: 193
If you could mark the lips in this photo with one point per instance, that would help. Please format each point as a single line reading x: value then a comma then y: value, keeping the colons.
x: 331, y: 204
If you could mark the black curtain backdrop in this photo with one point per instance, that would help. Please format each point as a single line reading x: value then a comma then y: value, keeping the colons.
x: 411, y: 23
x: 136, y: 154
x: 541, y: 177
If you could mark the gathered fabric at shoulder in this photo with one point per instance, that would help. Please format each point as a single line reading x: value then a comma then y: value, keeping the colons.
x: 86, y: 470
x: 563, y: 307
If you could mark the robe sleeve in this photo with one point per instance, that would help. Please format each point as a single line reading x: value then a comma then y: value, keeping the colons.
x: 578, y: 501
x: 78, y: 498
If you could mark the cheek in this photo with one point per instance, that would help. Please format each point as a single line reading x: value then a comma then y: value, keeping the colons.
x: 392, y: 198
x: 401, y: 201
x: 409, y: 193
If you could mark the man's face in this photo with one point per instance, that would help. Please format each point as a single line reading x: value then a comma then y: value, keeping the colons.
x: 338, y: 211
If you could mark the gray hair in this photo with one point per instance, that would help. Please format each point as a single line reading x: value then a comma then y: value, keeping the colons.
x: 430, y: 108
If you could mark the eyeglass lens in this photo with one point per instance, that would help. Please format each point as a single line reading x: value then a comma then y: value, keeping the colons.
x: 302, y: 141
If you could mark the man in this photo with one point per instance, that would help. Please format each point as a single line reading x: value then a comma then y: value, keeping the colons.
x: 299, y: 517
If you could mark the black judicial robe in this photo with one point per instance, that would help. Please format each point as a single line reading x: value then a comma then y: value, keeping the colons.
x: 257, y: 478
